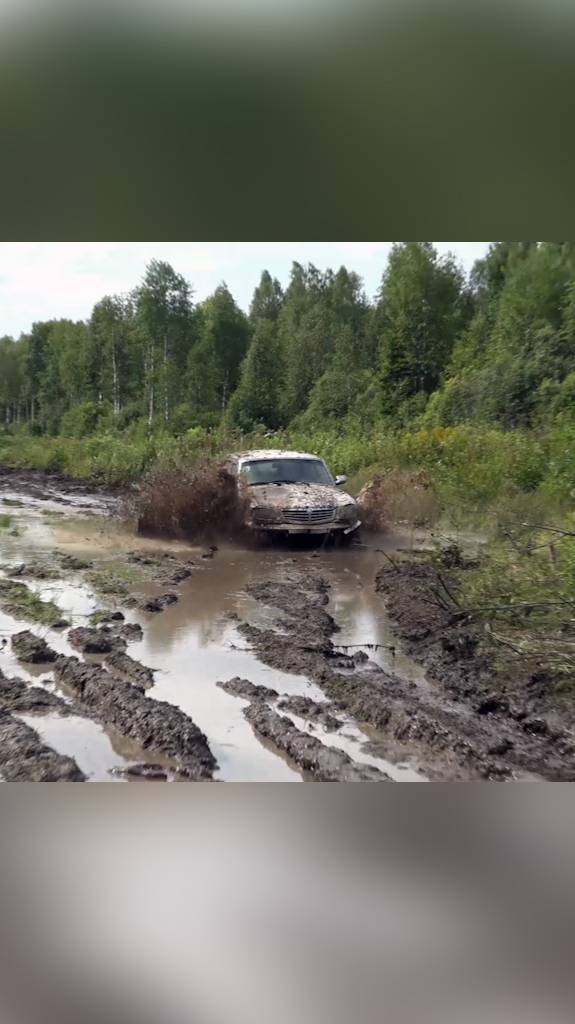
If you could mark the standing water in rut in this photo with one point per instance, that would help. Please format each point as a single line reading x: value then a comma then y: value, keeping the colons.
x: 169, y: 662
x: 69, y: 550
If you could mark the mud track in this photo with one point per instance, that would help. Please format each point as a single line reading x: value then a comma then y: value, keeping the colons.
x: 449, y: 735
x: 323, y: 763
x: 156, y: 725
x: 515, y: 701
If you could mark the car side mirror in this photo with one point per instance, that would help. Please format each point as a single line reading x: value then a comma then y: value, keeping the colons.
x: 339, y: 480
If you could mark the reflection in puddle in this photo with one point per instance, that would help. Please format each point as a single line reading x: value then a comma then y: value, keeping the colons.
x: 83, y: 740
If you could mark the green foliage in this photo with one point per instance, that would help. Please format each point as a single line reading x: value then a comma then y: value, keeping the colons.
x: 18, y: 600
x: 523, y: 588
x: 256, y: 399
x: 214, y: 363
x: 510, y: 366
x: 423, y: 308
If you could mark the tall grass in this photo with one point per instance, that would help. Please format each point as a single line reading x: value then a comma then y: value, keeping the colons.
x: 467, y: 465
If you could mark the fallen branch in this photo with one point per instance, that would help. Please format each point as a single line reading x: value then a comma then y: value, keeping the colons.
x: 447, y: 590
x: 389, y: 558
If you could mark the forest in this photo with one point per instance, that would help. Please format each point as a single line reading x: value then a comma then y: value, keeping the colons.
x: 438, y: 361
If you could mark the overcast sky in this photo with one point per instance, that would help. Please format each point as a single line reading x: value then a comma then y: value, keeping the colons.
x: 44, y: 280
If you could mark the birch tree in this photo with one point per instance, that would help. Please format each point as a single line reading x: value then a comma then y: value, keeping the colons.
x: 164, y: 309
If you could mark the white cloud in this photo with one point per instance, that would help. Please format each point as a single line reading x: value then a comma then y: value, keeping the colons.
x: 43, y: 280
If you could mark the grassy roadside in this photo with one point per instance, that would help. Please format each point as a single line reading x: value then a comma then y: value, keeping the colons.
x: 466, y: 464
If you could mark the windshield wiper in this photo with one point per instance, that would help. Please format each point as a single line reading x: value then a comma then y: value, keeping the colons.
x: 277, y: 483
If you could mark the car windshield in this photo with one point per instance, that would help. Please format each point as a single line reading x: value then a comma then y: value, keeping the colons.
x: 287, y: 471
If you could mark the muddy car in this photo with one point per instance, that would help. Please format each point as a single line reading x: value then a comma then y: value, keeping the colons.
x: 293, y: 493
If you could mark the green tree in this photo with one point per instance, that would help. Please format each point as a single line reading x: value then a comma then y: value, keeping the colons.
x: 111, y: 365
x: 64, y: 381
x: 214, y: 362
x: 267, y: 299
x: 164, y: 309
x: 423, y: 307
x: 35, y: 366
x: 11, y: 380
x: 256, y: 399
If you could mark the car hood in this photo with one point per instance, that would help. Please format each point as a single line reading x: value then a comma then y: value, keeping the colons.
x: 297, y: 496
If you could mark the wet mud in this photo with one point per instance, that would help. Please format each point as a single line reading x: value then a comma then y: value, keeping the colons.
x: 249, y: 691
x: 323, y: 763
x: 123, y: 665
x: 510, y: 702
x: 280, y: 663
x: 16, y: 696
x: 156, y: 725
x: 305, y: 707
x: 25, y: 758
x: 95, y: 641
x: 32, y: 649
x: 158, y: 604
x: 482, y: 737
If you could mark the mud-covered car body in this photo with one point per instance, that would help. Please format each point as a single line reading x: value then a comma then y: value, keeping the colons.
x: 293, y: 493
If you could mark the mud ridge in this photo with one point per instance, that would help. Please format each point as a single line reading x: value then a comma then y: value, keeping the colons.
x: 249, y: 691
x: 157, y: 604
x: 450, y: 740
x: 323, y: 763
x: 305, y: 707
x: 24, y: 757
x: 17, y: 696
x: 124, y: 665
x: 155, y: 724
x: 32, y: 649
x: 95, y: 641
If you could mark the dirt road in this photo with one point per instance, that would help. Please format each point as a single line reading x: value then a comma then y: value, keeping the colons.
x: 279, y: 664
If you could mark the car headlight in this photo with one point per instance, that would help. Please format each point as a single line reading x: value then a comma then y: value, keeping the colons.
x: 347, y: 513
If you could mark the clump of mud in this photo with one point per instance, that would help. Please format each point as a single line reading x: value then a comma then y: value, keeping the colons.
x: 156, y: 725
x: 324, y: 764
x: 199, y: 502
x: 32, y: 649
x: 16, y: 696
x: 399, y: 496
x: 24, y: 757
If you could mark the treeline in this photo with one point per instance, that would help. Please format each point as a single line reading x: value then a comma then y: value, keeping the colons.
x: 433, y: 348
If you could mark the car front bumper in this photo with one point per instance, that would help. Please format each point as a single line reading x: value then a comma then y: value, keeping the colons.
x: 290, y: 528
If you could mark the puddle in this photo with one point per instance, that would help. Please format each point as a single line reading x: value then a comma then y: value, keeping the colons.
x: 87, y: 742
x: 195, y: 643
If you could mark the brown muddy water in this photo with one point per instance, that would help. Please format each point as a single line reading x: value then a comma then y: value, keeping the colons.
x: 194, y: 643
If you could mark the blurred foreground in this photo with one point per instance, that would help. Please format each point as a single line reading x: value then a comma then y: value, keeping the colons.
x: 217, y: 905
x: 324, y: 120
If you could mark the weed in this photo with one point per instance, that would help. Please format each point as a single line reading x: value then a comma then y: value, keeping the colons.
x: 18, y: 600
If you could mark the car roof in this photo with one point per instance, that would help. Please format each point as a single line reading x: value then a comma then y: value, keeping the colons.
x: 269, y: 453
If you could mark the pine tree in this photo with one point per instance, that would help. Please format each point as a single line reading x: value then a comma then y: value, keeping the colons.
x: 267, y: 299
x: 256, y: 400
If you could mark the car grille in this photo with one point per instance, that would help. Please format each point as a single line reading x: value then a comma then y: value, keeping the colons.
x: 309, y: 516
x: 265, y: 515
